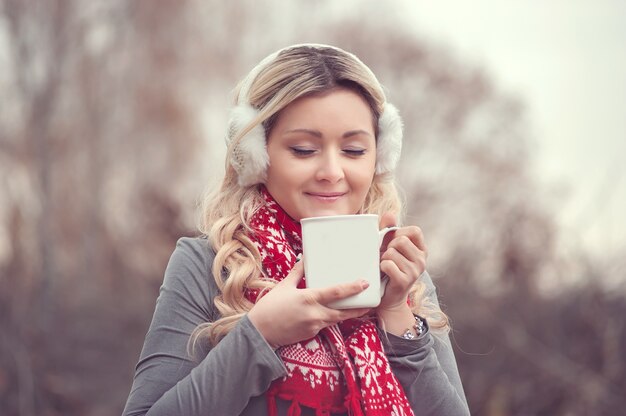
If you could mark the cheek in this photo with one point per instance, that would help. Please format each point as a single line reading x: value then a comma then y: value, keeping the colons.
x: 365, y: 186
x: 297, y: 172
x: 287, y: 177
x: 363, y: 176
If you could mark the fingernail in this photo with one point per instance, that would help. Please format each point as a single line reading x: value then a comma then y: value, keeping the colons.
x: 365, y: 284
x: 298, y: 257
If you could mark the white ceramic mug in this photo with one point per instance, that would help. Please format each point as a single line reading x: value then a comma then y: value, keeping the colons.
x: 341, y: 249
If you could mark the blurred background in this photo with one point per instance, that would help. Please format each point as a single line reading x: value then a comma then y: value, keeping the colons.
x: 112, y: 118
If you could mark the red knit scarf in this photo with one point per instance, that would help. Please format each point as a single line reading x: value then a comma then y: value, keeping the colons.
x: 343, y: 368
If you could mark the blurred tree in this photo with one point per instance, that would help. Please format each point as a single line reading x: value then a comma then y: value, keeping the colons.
x: 97, y: 135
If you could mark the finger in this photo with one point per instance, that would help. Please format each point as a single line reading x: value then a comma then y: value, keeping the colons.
x: 295, y: 274
x: 411, y: 267
x: 397, y: 257
x: 403, y: 245
x: 413, y: 233
x: 391, y: 269
x: 334, y: 293
x: 388, y: 219
x: 338, y: 315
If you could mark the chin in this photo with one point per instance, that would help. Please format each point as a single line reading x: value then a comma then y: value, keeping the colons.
x: 326, y: 213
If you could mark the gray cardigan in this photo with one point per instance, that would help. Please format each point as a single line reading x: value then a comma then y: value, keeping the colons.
x: 231, y: 378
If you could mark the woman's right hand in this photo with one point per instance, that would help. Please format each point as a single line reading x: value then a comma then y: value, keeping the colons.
x: 286, y: 314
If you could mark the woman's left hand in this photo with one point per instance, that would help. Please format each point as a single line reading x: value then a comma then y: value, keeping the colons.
x: 403, y: 261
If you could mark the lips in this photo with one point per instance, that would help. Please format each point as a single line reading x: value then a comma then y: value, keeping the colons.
x: 325, y: 196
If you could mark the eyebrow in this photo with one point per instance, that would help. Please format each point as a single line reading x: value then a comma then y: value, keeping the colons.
x: 318, y: 133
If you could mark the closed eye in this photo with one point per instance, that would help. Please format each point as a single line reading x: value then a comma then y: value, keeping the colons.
x: 354, y: 152
x: 301, y: 151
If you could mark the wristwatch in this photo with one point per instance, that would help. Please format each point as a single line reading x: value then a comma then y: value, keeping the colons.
x: 419, y: 328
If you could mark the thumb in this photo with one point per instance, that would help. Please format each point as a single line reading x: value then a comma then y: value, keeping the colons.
x: 388, y: 219
x: 295, y: 275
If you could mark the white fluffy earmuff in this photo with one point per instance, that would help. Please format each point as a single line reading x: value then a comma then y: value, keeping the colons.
x: 249, y: 156
x: 389, y: 141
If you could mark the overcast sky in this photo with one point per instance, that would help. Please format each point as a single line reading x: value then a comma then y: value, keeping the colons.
x: 566, y: 59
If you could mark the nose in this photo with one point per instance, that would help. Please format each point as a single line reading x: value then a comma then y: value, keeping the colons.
x: 330, y: 168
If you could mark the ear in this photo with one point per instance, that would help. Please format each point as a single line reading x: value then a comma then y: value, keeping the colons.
x: 389, y: 144
x: 249, y: 156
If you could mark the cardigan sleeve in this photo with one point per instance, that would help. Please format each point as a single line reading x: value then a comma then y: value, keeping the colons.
x: 168, y: 381
x: 426, y: 368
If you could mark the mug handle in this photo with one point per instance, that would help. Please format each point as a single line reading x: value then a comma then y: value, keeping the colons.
x: 381, y: 237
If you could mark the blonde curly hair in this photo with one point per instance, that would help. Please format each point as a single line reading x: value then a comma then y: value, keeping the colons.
x: 226, y: 212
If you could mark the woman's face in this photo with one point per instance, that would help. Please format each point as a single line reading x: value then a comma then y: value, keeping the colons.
x: 322, y: 153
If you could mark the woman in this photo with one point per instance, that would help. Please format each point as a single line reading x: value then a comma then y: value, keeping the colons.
x: 235, y: 331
